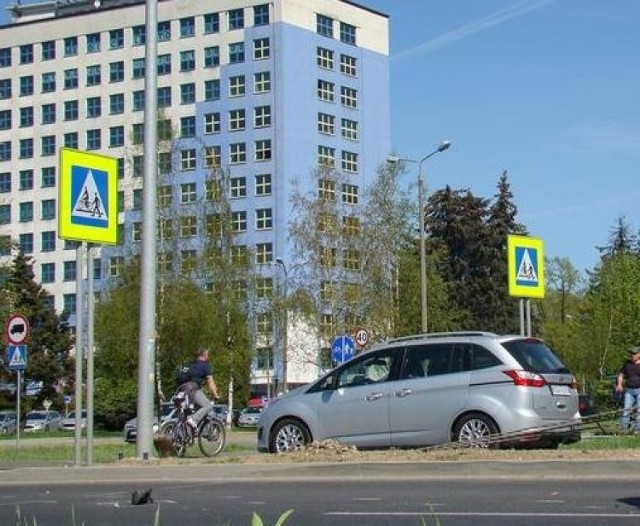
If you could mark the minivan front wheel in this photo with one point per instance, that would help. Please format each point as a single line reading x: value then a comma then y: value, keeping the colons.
x: 288, y: 435
x: 476, y: 430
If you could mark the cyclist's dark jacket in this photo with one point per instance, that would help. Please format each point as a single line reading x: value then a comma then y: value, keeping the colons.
x: 198, y: 371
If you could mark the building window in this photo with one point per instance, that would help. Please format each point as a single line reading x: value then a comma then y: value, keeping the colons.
x: 139, y: 35
x: 327, y: 190
x: 164, y: 64
x: 189, y: 260
x: 165, y: 196
x: 188, y: 226
x: 94, y: 107
x: 347, y: 33
x: 350, y: 225
x: 70, y: 46
x: 237, y: 153
x: 164, y: 31
x: 212, y: 156
x: 324, y: 58
x: 5, y: 88
x: 237, y: 120
x: 212, y: 89
x: 48, y: 177
x: 5, y: 151
x: 26, y: 117
x: 164, y: 162
x: 5, y: 119
x: 26, y: 180
x: 187, y: 27
x: 164, y: 97
x: 350, y: 194
x: 136, y: 232
x: 26, y: 148
x: 348, y: 97
x: 264, y: 287
x: 69, y: 271
x: 26, y: 85
x: 211, y: 56
x: 188, y: 193
x: 48, y: 82
x: 264, y: 219
x: 261, y: 15
x: 326, y: 90
x: 26, y: 243
x: 49, y: 50
x: 236, y: 52
x: 137, y: 166
x: 165, y: 130
x: 48, y: 145
x: 351, y: 259
x: 48, y: 241
x: 94, y: 139
x: 138, y: 100
x: 70, y: 78
x: 188, y: 93
x: 261, y: 48
x: 116, y: 71
x: 263, y: 150
x: 48, y: 113
x: 69, y: 304
x: 116, y: 104
x: 137, y: 68
x: 137, y: 199
x: 93, y: 43
x: 262, y: 82
x: 263, y: 184
x: 262, y: 116
x: 264, y: 253
x: 116, y: 264
x: 93, y: 75
x: 116, y: 136
x: 187, y: 127
x: 238, y: 187
x: 213, y: 191
x: 348, y: 65
x: 349, y: 161
x: 237, y: 86
x: 48, y: 272
x: 71, y: 110
x: 71, y: 140
x: 188, y: 159
x: 211, y: 123
x: 165, y: 262
x: 239, y: 221
x: 116, y: 38
x: 5, y: 182
x: 137, y: 133
x: 263, y: 323
x: 326, y: 124
x: 328, y: 257
x: 326, y: 156
x: 324, y: 26
x: 211, y: 23
x: 5, y: 214
x: 236, y: 19
x: 350, y: 129
x: 5, y: 57
x: 26, y: 54
x: 187, y: 60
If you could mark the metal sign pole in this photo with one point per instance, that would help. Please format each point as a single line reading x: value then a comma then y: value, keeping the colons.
x: 79, y: 340
x: 90, y: 322
x: 18, y: 394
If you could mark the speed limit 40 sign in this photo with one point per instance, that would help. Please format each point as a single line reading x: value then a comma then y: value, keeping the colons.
x: 361, y: 336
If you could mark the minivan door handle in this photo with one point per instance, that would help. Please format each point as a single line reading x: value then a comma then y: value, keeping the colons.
x: 373, y: 396
x: 403, y: 393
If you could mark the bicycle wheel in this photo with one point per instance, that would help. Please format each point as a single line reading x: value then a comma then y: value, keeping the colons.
x: 211, y: 436
x: 178, y: 434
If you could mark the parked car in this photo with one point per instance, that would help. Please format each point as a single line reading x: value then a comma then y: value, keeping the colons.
x: 467, y: 387
x: 43, y: 421
x: 8, y: 421
x: 69, y: 421
x: 249, y: 417
x: 585, y: 404
x: 220, y: 411
x: 8, y: 388
x: 130, y: 431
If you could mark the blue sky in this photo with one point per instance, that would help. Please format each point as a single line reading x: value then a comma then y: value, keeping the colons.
x: 545, y: 89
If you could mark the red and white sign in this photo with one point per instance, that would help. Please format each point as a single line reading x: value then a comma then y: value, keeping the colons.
x: 361, y: 336
x: 16, y: 328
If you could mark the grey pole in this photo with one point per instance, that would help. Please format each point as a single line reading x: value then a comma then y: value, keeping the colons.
x: 285, y: 336
x: 147, y: 334
x: 90, y: 321
x: 80, y: 253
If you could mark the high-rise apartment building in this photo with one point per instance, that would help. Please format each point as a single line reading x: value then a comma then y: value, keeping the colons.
x: 266, y: 90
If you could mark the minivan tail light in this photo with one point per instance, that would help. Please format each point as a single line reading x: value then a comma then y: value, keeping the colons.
x: 525, y: 378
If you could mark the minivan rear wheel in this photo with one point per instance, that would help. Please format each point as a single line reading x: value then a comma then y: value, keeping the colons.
x: 476, y: 430
x: 288, y: 435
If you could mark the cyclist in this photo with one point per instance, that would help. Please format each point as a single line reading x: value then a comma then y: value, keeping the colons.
x: 200, y: 376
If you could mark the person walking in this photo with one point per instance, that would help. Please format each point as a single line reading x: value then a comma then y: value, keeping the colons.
x: 628, y: 382
x: 201, y: 374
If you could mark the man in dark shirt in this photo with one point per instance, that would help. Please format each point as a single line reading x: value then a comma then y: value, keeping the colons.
x: 629, y: 381
x: 200, y: 372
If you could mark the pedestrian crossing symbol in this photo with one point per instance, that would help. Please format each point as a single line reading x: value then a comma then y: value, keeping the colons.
x: 17, y: 357
x: 88, y: 207
x: 526, y: 266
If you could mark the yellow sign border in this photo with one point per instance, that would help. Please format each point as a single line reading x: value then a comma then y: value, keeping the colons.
x: 513, y: 243
x: 66, y: 229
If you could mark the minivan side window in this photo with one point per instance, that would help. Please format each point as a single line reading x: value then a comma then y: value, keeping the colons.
x: 471, y: 357
x: 427, y: 360
x: 372, y: 369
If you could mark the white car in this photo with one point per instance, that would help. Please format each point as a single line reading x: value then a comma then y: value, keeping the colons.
x: 69, y: 421
x: 130, y: 431
x: 249, y: 417
x: 43, y: 421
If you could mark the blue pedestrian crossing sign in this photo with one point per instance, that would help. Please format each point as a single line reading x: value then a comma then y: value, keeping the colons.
x: 342, y: 349
x: 88, y: 197
x: 17, y: 357
x: 526, y: 266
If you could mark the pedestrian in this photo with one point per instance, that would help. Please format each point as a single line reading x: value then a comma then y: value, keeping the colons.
x: 201, y: 374
x: 628, y: 381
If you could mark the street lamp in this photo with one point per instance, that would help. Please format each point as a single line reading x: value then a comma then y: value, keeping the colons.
x: 423, y: 255
x: 283, y: 389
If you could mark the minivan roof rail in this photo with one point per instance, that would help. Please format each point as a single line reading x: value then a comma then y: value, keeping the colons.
x: 424, y: 335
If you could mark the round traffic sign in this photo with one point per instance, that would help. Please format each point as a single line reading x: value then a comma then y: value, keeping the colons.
x: 362, y: 336
x: 16, y: 328
x: 342, y: 349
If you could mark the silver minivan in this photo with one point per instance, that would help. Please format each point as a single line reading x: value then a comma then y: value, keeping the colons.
x: 476, y: 388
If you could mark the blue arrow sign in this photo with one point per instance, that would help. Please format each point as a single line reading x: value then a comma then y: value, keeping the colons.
x: 342, y: 349
x: 17, y: 357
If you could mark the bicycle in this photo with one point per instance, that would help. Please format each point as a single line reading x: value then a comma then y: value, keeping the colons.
x: 210, y: 433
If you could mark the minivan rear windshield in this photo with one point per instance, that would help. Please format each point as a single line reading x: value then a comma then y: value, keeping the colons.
x: 533, y: 355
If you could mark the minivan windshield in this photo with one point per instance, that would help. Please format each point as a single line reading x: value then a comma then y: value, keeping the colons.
x: 534, y: 356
